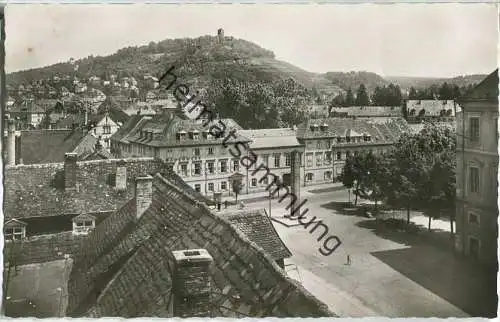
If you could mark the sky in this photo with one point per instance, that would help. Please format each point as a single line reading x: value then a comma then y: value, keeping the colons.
x: 438, y: 40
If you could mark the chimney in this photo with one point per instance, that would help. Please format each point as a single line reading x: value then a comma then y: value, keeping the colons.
x: 191, y: 283
x: 70, y: 171
x: 11, y: 143
x: 143, y: 194
x: 121, y: 176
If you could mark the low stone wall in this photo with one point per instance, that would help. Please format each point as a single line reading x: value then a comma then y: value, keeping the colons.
x: 39, y: 249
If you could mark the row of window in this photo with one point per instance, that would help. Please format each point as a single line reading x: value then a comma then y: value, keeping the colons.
x: 327, y: 144
x: 327, y: 175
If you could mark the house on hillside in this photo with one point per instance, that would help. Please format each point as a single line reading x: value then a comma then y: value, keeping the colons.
x: 28, y: 113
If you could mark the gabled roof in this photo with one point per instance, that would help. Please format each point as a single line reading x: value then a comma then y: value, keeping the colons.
x: 271, y: 138
x: 381, y: 130
x: 124, y: 266
x: 83, y: 217
x: 38, y: 190
x: 46, y: 146
x: 258, y: 227
x: 486, y: 90
x: 14, y: 222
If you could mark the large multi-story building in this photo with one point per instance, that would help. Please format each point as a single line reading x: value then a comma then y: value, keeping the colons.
x: 273, y: 148
x: 201, y: 159
x: 330, y: 141
x: 477, y: 172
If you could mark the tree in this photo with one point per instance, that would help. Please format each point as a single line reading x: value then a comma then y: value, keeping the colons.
x: 445, y: 92
x: 413, y: 95
x: 422, y: 171
x: 237, y: 186
x: 362, y: 98
x: 358, y: 174
x: 349, y: 99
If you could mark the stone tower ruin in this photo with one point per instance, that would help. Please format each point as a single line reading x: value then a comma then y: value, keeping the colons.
x: 220, y: 35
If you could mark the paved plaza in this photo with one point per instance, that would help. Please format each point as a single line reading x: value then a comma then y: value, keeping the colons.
x: 389, y: 275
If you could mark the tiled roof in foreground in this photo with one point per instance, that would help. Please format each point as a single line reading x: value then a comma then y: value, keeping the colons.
x: 125, y: 269
x: 38, y: 190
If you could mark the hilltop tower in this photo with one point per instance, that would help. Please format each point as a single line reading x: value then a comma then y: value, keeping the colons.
x: 220, y: 35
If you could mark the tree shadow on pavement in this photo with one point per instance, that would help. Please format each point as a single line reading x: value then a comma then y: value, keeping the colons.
x: 343, y: 208
x: 431, y: 262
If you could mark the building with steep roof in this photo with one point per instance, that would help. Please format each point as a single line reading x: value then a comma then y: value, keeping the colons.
x: 477, y: 172
x: 199, y: 157
x: 28, y: 113
x: 367, y: 111
x: 47, y: 146
x: 164, y: 254
x: 330, y: 141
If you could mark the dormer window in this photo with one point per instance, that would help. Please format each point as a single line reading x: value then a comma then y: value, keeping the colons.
x: 14, y: 230
x: 205, y: 134
x: 339, y: 139
x: 181, y: 135
x: 347, y: 138
x: 314, y: 127
x: 195, y: 135
x: 324, y: 127
x: 367, y: 137
x: 83, y: 224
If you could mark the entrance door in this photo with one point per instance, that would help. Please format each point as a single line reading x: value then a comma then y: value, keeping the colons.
x: 474, y: 247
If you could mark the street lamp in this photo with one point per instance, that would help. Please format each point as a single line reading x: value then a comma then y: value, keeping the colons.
x: 206, y: 182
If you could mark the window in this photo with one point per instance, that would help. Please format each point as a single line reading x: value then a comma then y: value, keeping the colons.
x: 183, y: 152
x: 277, y: 158
x: 254, y: 182
x: 348, y: 154
x: 474, y: 246
x: 223, y: 185
x: 473, y: 219
x: 196, y: 136
x: 328, y: 175
x: 318, y: 158
x: 288, y: 159
x: 106, y: 129
x: 348, y: 139
x: 474, y: 179
x: 309, y: 177
x: 197, y: 168
x: 210, y: 151
x: 327, y: 144
x: 474, y: 129
x: 309, y: 159
x: 184, y: 169
x: 223, y: 166
x: 318, y: 145
x: 265, y: 180
x: 210, y: 186
x: 197, y: 187
x: 265, y: 158
x: 339, y: 155
x: 14, y: 233
x: 356, y: 153
x: 328, y: 157
x: 236, y: 165
x: 339, y: 139
x: 210, y: 167
x: 196, y: 152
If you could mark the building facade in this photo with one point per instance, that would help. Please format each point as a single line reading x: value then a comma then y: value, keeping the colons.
x: 330, y: 141
x: 477, y: 172
x: 200, y: 158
